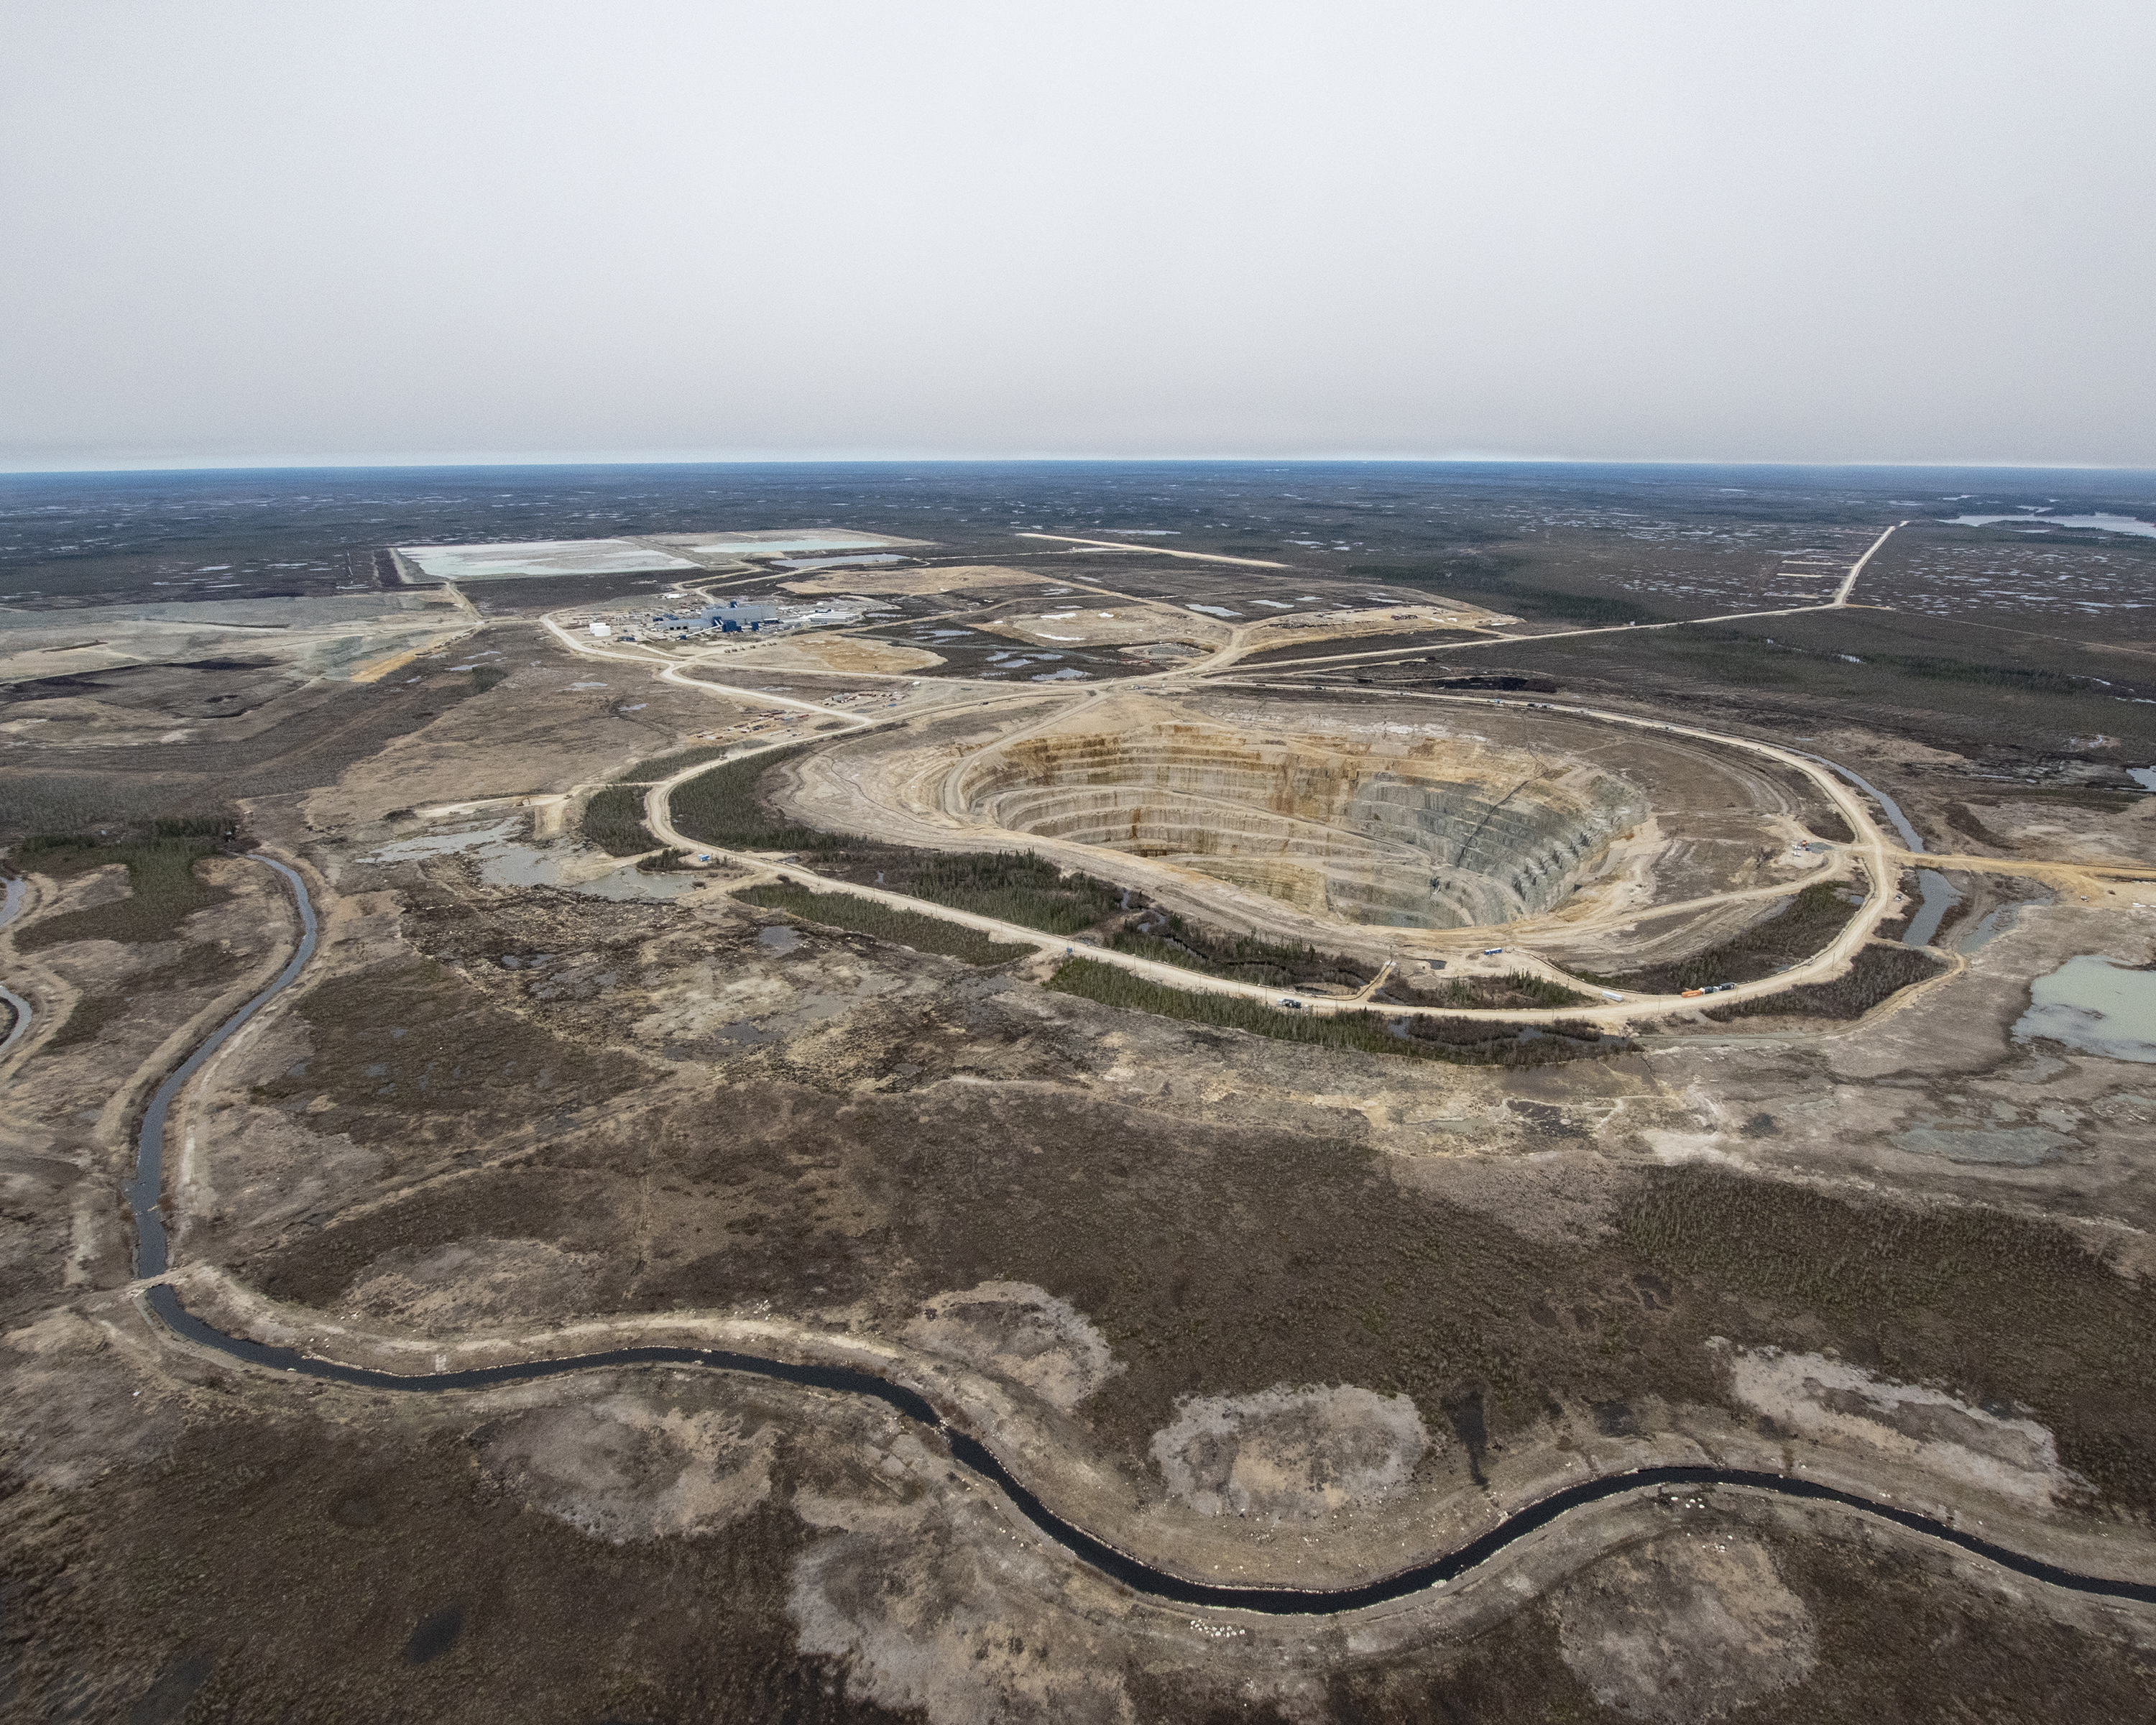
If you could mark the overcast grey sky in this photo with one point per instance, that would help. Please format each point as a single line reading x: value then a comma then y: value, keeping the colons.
x: 233, y: 233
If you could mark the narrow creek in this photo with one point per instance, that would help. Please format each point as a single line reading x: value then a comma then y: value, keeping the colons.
x: 146, y: 1191
x: 144, y: 1195
x: 1938, y: 893
x: 19, y: 1009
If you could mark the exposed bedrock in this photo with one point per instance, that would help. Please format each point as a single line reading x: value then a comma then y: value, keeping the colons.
x: 1443, y: 832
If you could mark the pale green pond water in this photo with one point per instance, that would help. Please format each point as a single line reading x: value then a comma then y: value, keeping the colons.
x: 2092, y: 1004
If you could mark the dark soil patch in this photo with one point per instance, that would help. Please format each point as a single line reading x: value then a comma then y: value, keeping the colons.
x: 199, y: 966
x: 1334, y: 646
x: 363, y: 1573
x: 1963, y: 818
x: 566, y: 1205
x: 1880, y: 968
x: 1808, y: 922
x: 320, y: 730
x: 1222, y: 1260
x: 1511, y: 581
x: 2003, y: 1309
x: 1224, y: 1257
x: 412, y: 1038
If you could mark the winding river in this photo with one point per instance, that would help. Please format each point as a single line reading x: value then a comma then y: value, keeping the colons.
x: 144, y: 1195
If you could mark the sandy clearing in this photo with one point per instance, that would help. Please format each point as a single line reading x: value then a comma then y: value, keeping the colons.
x: 1685, y: 1630
x: 959, y: 578
x: 834, y: 653
x: 1013, y: 1330
x: 1302, y: 626
x: 1093, y: 625
x: 1831, y: 1402
x: 625, y: 1468
x: 1290, y: 1454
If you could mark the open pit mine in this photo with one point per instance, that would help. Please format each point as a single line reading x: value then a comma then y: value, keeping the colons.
x: 1379, y: 830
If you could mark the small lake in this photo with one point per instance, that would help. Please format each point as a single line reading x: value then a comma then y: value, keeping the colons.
x: 2088, y: 523
x: 2094, y: 1004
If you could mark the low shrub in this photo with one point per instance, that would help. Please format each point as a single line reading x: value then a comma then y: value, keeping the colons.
x: 614, y: 820
x: 1880, y: 968
x: 721, y: 807
x: 1461, y: 1041
x: 886, y: 922
x: 163, y: 889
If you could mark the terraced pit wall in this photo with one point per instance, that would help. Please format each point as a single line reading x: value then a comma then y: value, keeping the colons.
x: 1442, y: 832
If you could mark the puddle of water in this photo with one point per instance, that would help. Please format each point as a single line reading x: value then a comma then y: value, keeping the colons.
x: 503, y: 863
x: 1999, y: 1146
x: 779, y: 940
x: 2094, y: 1004
x: 444, y: 844
x: 522, y: 865
x: 2145, y: 777
x: 1994, y: 924
x: 620, y: 884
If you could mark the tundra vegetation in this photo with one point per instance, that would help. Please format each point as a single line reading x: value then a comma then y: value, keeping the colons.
x: 1467, y: 1041
x: 771, y: 1114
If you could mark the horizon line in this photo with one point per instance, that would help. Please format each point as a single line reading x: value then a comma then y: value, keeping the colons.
x: 503, y: 462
